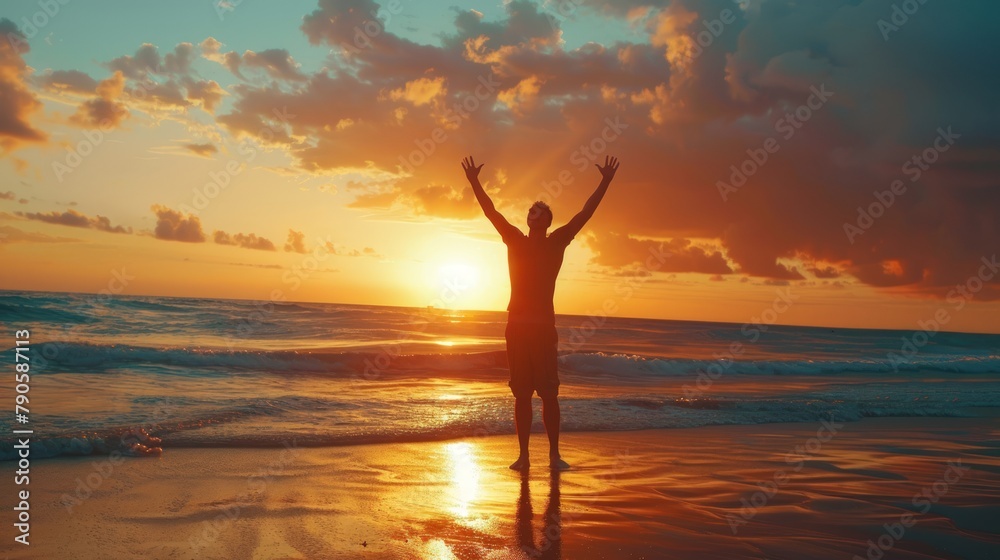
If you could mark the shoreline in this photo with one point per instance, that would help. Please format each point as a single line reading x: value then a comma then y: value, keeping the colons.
x: 802, y: 490
x: 312, y: 441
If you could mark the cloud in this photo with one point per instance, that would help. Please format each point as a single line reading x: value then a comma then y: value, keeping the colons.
x: 420, y: 91
x: 522, y: 97
x: 824, y: 271
x: 276, y: 63
x: 296, y: 242
x: 683, y: 112
x: 693, y: 110
x: 9, y: 195
x: 171, y: 225
x: 105, y: 110
x: 205, y: 150
x: 73, y: 218
x: 525, y: 26
x: 10, y: 234
x: 207, y: 92
x: 147, y: 62
x: 617, y: 251
x: 17, y: 102
x: 246, y: 241
x: 332, y: 249
x: 256, y: 265
x: 20, y: 165
x: 445, y: 202
x: 211, y: 49
x: 375, y: 199
x: 166, y: 95
x: 73, y: 81
x: 145, y: 80
x: 179, y: 61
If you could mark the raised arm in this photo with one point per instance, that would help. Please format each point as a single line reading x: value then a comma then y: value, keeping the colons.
x: 496, y: 218
x: 574, y: 226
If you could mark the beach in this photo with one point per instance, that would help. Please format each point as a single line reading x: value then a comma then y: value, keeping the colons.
x: 181, y: 428
x: 802, y: 490
x: 283, y: 280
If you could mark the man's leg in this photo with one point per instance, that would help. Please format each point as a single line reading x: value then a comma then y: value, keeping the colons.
x: 520, y: 385
x: 522, y: 421
x: 550, y: 414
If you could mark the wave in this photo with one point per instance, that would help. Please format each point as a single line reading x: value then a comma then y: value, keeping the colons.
x: 245, y: 423
x: 17, y: 312
x: 76, y: 357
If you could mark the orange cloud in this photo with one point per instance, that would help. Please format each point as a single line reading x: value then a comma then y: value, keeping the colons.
x: 445, y: 202
x: 523, y: 97
x: 17, y: 102
x: 171, y: 225
x: 246, y: 241
x: 9, y: 234
x: 208, y: 92
x: 276, y: 63
x: 73, y: 81
x: 296, y: 242
x: 73, y: 218
x: 420, y: 91
x: 692, y: 111
x: 145, y: 80
x: 345, y: 252
x: 622, y: 252
x: 205, y: 150
x: 105, y: 110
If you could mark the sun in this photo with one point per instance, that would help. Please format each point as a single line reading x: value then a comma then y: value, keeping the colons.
x: 462, y: 279
x: 458, y: 286
x: 457, y: 279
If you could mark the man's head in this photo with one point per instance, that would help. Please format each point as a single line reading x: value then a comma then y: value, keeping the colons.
x: 539, y: 216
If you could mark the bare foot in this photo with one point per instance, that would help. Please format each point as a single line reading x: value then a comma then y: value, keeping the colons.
x: 558, y: 464
x: 521, y: 463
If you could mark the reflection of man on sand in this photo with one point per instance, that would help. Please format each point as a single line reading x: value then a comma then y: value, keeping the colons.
x: 534, y: 261
x: 549, y: 546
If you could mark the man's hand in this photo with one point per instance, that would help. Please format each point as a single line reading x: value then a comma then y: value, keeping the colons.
x: 471, y: 171
x: 573, y: 227
x: 608, y: 171
x: 506, y: 230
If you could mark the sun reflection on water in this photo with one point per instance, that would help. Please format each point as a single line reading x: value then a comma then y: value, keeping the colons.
x: 437, y: 549
x: 465, y: 475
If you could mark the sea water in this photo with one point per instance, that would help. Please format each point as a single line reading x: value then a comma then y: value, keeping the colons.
x: 114, y: 373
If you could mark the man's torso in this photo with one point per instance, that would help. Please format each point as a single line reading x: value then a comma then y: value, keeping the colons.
x: 534, y: 264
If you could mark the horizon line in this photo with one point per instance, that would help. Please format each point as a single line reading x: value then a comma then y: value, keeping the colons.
x: 794, y: 325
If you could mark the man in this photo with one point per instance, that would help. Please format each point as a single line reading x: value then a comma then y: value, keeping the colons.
x: 534, y: 261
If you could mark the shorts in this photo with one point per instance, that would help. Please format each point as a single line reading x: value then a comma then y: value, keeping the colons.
x: 532, y: 358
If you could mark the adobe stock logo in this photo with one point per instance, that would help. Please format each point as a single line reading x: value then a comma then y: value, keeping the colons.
x: 899, y: 17
x: 31, y: 25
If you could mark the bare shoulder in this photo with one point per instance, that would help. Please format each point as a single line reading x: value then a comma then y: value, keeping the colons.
x: 562, y: 236
x: 512, y: 235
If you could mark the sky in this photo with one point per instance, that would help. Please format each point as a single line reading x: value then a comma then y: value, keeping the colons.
x: 809, y: 162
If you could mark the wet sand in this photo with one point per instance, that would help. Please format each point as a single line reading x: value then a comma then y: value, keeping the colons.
x: 919, y: 487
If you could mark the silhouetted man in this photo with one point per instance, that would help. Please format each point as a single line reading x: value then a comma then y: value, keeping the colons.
x: 534, y: 261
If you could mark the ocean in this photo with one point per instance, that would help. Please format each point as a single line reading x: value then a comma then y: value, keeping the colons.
x: 143, y: 375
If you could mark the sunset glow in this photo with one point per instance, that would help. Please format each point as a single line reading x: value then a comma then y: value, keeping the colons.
x: 309, y: 151
x: 500, y: 279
